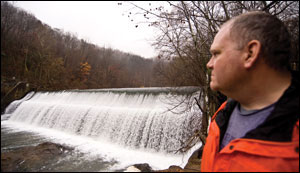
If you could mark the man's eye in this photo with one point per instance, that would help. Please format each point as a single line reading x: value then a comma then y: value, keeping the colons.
x: 217, y: 53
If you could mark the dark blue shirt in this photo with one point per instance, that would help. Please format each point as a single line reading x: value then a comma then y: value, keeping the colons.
x: 242, y: 121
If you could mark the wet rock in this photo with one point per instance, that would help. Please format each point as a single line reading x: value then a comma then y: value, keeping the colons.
x: 172, y: 168
x: 143, y: 167
x: 193, y: 165
x: 132, y: 169
x: 32, y: 158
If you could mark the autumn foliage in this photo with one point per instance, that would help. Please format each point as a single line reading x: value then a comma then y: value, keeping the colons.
x: 51, y: 59
x: 46, y: 58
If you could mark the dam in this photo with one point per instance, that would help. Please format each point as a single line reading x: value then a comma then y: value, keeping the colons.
x: 121, y: 126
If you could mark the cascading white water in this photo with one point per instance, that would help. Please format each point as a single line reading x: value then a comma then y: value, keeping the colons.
x: 148, y: 119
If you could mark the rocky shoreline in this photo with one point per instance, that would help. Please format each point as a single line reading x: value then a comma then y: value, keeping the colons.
x: 193, y: 165
x: 33, y: 158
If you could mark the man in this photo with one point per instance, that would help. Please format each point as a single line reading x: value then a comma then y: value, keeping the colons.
x: 257, y: 128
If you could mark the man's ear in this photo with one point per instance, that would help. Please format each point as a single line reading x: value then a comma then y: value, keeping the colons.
x: 252, y: 51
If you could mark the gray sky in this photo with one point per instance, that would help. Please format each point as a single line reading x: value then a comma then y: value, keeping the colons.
x: 104, y: 23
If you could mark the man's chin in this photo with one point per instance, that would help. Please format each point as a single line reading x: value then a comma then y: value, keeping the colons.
x: 213, y: 87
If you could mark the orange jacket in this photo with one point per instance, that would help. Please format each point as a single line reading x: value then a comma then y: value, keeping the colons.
x: 272, y: 146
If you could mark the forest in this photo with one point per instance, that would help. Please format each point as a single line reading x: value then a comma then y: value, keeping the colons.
x: 51, y: 59
x: 35, y: 56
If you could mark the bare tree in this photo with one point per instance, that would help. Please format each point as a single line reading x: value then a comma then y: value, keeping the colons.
x: 187, y: 31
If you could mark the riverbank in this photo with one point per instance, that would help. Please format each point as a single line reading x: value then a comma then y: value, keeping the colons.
x: 193, y: 165
x: 34, y: 158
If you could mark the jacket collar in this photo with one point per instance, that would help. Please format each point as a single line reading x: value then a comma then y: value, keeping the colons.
x: 279, y: 124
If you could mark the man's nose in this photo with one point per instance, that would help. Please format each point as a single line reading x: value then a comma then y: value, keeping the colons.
x: 209, y: 65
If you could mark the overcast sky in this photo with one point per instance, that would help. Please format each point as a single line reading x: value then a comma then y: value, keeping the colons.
x: 104, y: 23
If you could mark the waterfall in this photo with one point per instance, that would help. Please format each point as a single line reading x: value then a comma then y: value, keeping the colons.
x: 142, y: 118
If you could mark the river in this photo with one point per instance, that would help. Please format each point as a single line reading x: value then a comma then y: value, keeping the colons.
x: 109, y: 129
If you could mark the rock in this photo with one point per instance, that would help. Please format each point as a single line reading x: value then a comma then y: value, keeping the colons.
x: 143, y: 167
x: 193, y: 165
x: 51, y: 148
x: 32, y: 158
x: 132, y: 169
x: 172, y: 168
